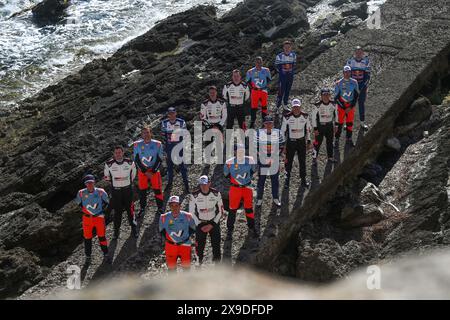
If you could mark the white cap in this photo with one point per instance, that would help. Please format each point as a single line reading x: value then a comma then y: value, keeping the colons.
x: 174, y: 199
x: 296, y: 103
x: 347, y: 68
x: 203, y: 180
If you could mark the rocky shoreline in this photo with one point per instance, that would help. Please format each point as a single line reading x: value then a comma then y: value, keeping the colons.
x: 69, y: 128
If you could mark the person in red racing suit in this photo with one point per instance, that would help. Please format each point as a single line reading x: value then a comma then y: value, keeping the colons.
x: 147, y: 154
x: 93, y: 202
x: 346, y: 95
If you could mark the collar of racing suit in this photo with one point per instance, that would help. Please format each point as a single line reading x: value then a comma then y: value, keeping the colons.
x: 205, y: 194
x: 119, y: 162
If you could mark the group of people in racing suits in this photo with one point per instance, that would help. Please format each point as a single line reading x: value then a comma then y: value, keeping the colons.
x: 206, y: 208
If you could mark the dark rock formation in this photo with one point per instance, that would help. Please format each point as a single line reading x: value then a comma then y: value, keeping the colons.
x: 401, y: 49
x: 49, y: 11
x: 408, y: 212
x: 19, y: 269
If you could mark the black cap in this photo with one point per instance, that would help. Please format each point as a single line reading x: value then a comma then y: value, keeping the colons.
x: 325, y: 90
x: 268, y: 119
x: 212, y: 87
x: 88, y: 178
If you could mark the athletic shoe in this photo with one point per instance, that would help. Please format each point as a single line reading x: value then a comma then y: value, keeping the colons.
x: 364, y: 126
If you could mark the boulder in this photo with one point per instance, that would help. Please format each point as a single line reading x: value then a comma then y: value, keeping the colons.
x: 50, y: 11
x: 14, y: 201
x: 19, y: 269
x: 349, y: 23
x: 35, y: 229
x: 419, y: 111
x: 269, y: 19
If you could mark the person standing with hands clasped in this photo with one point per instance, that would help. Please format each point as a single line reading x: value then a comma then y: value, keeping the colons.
x: 206, y: 208
x: 296, y: 127
x: 323, y: 118
x: 121, y: 172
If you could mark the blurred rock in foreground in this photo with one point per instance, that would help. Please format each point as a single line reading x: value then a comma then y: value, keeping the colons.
x: 425, y: 277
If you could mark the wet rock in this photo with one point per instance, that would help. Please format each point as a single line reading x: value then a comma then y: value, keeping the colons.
x: 50, y: 11
x: 19, y: 269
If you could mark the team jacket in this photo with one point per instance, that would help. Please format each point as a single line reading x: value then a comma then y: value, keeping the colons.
x: 266, y: 144
x: 240, y: 174
x: 120, y: 174
x: 360, y: 70
x: 323, y: 114
x: 215, y: 112
x: 285, y: 64
x: 147, y: 156
x: 177, y: 230
x: 172, y: 132
x: 296, y: 127
x: 234, y: 94
x: 206, y: 207
x: 92, y: 203
x: 258, y: 79
x: 346, y: 92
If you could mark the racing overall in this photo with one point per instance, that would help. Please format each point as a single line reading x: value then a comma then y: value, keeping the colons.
x: 323, y: 118
x: 285, y: 64
x: 207, y: 209
x: 361, y: 73
x: 297, y: 130
x: 266, y: 144
x: 148, y: 157
x: 235, y: 96
x: 346, y: 95
x: 214, y: 113
x: 240, y: 173
x: 258, y: 81
x: 121, y: 175
x: 177, y: 232
x: 171, y: 133
x: 93, y: 206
